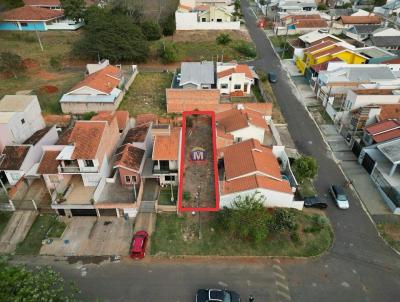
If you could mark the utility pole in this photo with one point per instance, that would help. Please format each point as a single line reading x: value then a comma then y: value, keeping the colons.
x: 40, y: 41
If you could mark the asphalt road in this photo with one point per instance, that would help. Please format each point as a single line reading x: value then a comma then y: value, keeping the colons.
x: 359, y: 266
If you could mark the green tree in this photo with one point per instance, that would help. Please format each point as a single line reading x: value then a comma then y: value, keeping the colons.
x: 10, y: 4
x: 168, y: 25
x: 130, y: 8
x: 55, y: 63
x: 247, y: 219
x: 151, y: 30
x: 305, y: 167
x: 223, y: 39
x: 168, y: 52
x: 282, y: 219
x: 111, y: 36
x: 262, y: 2
x: 40, y: 284
x: 245, y: 49
x: 236, y: 11
x: 73, y: 9
x: 11, y: 63
x: 322, y: 6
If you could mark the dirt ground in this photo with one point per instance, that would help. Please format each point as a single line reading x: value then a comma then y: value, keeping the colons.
x: 208, y: 35
x: 199, y: 176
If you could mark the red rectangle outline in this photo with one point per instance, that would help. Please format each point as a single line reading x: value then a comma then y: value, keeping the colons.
x: 181, y: 166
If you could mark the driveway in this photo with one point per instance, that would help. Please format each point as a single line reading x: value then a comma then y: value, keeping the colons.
x: 92, y: 236
x: 150, y: 190
x: 357, y: 245
x: 16, y: 230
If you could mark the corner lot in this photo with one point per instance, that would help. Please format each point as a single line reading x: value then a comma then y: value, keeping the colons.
x: 92, y: 236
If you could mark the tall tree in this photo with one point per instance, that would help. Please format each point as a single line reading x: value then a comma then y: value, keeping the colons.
x: 111, y: 36
x: 305, y: 167
x: 11, y: 63
x: 41, y: 284
x: 73, y: 9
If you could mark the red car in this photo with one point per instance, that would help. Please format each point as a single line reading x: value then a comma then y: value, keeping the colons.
x: 138, y: 246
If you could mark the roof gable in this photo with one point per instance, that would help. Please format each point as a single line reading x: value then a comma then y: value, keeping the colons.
x: 31, y: 13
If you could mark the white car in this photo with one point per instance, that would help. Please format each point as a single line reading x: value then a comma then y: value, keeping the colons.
x: 340, y: 197
x: 178, y: 77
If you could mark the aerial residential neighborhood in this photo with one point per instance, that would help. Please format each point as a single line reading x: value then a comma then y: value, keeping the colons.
x: 199, y: 150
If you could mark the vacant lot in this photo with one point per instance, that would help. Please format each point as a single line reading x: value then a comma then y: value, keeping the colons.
x: 147, y: 93
x: 198, y: 176
x: 176, y: 235
x: 391, y: 233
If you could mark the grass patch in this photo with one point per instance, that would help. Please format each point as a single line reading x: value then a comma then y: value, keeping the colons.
x: 44, y: 226
x: 257, y: 93
x: 176, y: 235
x: 4, y: 218
x: 307, y: 189
x: 147, y: 93
x: 390, y: 231
x: 165, y: 196
x: 277, y: 115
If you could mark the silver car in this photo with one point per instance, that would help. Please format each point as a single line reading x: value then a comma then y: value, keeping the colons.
x: 340, y: 197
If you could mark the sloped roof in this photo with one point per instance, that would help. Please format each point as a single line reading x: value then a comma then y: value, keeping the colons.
x: 129, y: 157
x: 14, y: 157
x: 360, y: 19
x: 104, y: 80
x: 234, y: 119
x: 330, y: 51
x: 390, y: 111
x: 255, y: 182
x: 310, y: 23
x: 49, y: 163
x: 145, y: 118
x: 42, y: 2
x: 382, y: 126
x: 137, y: 134
x: 166, y: 147
x: 365, y: 28
x: 240, y: 68
x: 385, y: 41
x: 190, y: 95
x: 319, y: 46
x: 31, y: 13
x: 16, y: 103
x: 86, y: 137
x: 197, y: 73
x: 249, y: 157
x: 121, y: 116
x: 37, y: 136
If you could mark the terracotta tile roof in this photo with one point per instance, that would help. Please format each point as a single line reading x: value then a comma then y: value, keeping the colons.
x: 235, y: 119
x: 319, y: 46
x: 386, y: 136
x: 202, y: 7
x: 137, y: 134
x: 14, y: 156
x: 392, y: 61
x: 31, y: 13
x: 145, y: 118
x: 330, y: 51
x: 310, y: 23
x: 373, y: 91
x: 249, y: 157
x: 237, y: 93
x: 166, y: 147
x: 382, y: 126
x: 184, y: 7
x: 86, y: 136
x: 240, y: 68
x: 36, y: 137
x: 54, y: 119
x: 221, y: 133
x: 179, y: 100
x: 129, y: 157
x: 255, y: 182
x: 122, y: 117
x: 256, y: 118
x: 391, y: 111
x: 360, y: 19
x: 104, y: 80
x: 299, y: 17
x: 324, y: 66
x: 42, y: 2
x: 49, y: 163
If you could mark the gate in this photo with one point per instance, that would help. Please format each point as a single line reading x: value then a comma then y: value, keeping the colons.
x: 356, y: 148
x: 368, y: 163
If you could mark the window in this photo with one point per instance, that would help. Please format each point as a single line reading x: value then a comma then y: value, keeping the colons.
x: 128, y: 179
x: 89, y: 163
x: 169, y: 178
x: 23, y: 121
x: 237, y: 86
x: 219, y: 20
x: 224, y: 86
x: 203, y: 20
x: 24, y: 24
x: 238, y: 139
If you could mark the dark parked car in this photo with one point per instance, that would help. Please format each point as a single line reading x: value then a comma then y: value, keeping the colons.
x: 314, y: 202
x: 217, y: 295
x: 339, y: 197
x: 138, y: 246
x: 272, y: 77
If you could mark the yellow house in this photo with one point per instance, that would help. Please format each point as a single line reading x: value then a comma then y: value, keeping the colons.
x: 215, y: 14
x: 327, y: 51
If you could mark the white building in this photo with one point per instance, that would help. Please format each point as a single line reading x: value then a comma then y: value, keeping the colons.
x: 20, y: 117
x: 234, y: 79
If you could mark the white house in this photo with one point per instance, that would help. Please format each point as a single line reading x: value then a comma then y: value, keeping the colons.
x: 357, y: 98
x: 17, y: 160
x: 251, y: 168
x: 197, y: 75
x: 234, y: 79
x: 20, y: 117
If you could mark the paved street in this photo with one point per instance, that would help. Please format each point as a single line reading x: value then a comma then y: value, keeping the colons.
x: 359, y: 266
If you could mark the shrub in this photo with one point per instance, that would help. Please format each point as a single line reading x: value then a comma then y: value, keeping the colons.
x: 263, y: 76
x: 151, y: 30
x: 246, y: 49
x: 282, y: 219
x: 295, y: 237
x: 223, y: 39
x: 168, y: 52
x: 55, y: 63
x: 305, y: 167
x: 88, y: 115
x: 168, y: 26
x: 186, y: 196
x: 322, y: 6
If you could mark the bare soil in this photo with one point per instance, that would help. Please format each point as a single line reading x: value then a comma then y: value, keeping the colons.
x: 198, y: 177
x: 208, y: 35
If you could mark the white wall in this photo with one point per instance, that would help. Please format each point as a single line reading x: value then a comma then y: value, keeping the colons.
x: 236, y: 79
x: 188, y: 21
x: 273, y: 199
x: 249, y: 132
x: 354, y: 101
x: 13, y: 176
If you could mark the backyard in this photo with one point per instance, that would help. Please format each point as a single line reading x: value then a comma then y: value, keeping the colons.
x: 147, y: 93
x: 165, y: 196
x: 179, y: 235
x: 45, y: 226
x: 198, y: 176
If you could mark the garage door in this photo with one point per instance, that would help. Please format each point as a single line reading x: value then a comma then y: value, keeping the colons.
x: 368, y: 163
x: 83, y: 212
x: 108, y: 212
